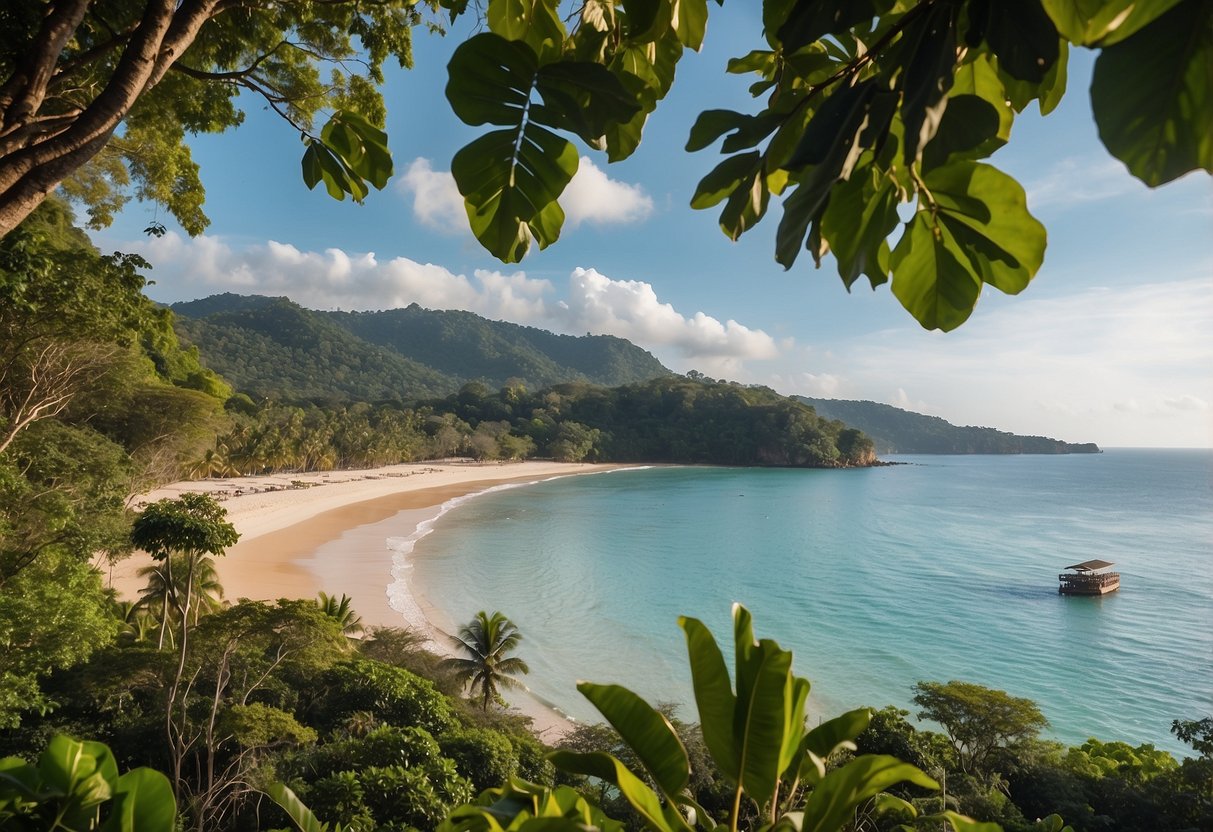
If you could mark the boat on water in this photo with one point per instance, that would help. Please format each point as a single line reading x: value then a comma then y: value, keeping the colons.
x: 1089, y: 578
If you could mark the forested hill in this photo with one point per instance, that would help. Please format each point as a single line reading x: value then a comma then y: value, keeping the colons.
x: 897, y: 431
x: 274, y: 347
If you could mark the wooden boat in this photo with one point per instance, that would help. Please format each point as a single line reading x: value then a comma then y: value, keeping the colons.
x: 1089, y: 578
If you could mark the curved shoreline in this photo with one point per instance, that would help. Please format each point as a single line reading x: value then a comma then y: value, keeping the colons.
x: 306, y: 533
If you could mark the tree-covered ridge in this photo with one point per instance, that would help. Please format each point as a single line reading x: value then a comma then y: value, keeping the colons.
x: 274, y: 347
x: 668, y: 419
x: 468, y: 347
x: 897, y: 431
x: 271, y: 347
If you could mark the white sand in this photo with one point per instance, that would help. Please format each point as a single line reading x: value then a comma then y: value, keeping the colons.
x: 300, y: 534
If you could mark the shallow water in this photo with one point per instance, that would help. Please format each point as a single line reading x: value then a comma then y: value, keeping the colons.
x: 941, y: 569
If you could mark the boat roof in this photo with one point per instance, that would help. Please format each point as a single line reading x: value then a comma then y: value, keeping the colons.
x: 1091, y: 565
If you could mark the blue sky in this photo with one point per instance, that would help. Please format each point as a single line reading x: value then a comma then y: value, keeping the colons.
x: 1112, y: 343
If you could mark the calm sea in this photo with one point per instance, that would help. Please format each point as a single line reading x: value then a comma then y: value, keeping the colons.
x: 942, y: 568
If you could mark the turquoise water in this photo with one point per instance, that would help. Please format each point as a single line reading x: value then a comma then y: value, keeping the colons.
x: 945, y: 568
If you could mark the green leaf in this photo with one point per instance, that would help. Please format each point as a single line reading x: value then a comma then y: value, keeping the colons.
x: 714, y: 697
x: 647, y: 71
x: 312, y: 173
x: 1152, y: 96
x: 746, y: 205
x: 932, y: 276
x: 1023, y: 37
x: 765, y: 692
x: 986, y: 211
x: 605, y: 767
x: 980, y: 78
x: 725, y: 178
x: 833, y: 131
x: 645, y: 19
x: 968, y: 124
x: 1103, y: 22
x: 64, y: 764
x: 585, y: 98
x: 858, y: 221
x: 507, y: 187
x: 646, y: 731
x: 143, y: 802
x: 711, y: 125
x: 833, y: 801
x: 690, y: 21
x: 837, y: 734
x: 294, y: 808
x: 534, y: 21
x: 490, y: 79
x: 761, y: 61
x: 958, y: 822
x: 929, y: 47
x: 810, y: 20
x: 360, y: 147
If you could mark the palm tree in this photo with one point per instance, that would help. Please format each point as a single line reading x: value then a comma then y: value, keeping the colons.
x: 166, y: 588
x: 341, y: 611
x: 486, y: 641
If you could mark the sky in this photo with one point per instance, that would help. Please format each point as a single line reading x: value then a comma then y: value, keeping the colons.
x: 1112, y: 343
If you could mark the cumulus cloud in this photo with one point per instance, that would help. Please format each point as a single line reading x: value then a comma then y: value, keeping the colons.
x: 437, y: 203
x: 592, y: 197
x: 632, y: 310
x: 595, y: 198
x: 336, y: 279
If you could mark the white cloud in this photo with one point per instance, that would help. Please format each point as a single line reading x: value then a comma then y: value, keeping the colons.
x: 632, y: 310
x: 336, y: 279
x: 591, y: 197
x: 595, y: 198
x: 437, y: 202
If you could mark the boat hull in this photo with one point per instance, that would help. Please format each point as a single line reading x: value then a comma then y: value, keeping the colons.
x: 1089, y: 590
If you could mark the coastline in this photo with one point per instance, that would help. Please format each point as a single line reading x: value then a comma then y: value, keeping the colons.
x: 301, y: 534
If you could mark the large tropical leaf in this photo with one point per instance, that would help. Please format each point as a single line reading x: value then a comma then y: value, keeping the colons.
x: 1152, y: 95
x: 1103, y: 22
x: 295, y: 809
x: 508, y: 182
x: 646, y: 731
x: 143, y: 802
x: 511, y: 179
x: 977, y: 231
x: 605, y: 767
x: 833, y: 801
x: 714, y: 696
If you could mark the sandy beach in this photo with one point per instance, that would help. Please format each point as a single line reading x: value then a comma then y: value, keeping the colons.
x: 299, y: 535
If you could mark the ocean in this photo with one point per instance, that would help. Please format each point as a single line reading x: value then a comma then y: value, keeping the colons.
x: 944, y: 567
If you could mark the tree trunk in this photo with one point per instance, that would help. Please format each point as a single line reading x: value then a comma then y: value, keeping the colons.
x: 29, y: 173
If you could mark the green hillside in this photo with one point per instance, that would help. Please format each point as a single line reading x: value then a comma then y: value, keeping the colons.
x: 897, y: 431
x: 272, y: 346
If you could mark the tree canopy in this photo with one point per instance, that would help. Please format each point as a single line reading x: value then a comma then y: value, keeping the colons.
x: 978, y: 720
x: 863, y: 107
